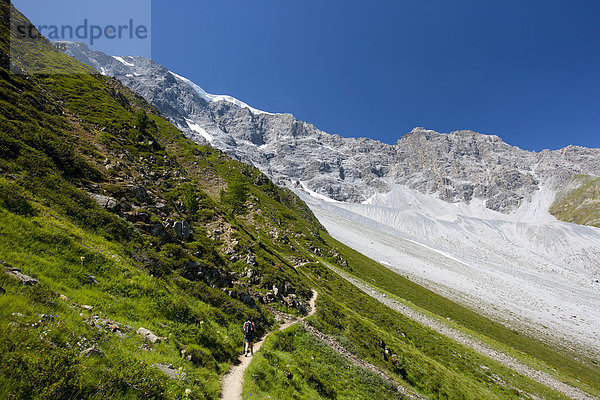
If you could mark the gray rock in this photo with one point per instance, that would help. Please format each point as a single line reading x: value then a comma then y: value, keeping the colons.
x: 139, y: 193
x: 171, y: 372
x: 182, y: 230
x: 106, y: 202
x: 148, y: 335
x: 46, y: 317
x: 93, y: 351
x: 26, y: 280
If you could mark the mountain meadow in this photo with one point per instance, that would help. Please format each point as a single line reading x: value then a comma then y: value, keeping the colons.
x: 130, y: 257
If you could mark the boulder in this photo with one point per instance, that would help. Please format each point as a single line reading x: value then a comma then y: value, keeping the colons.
x: 24, y: 279
x: 93, y: 351
x: 148, y: 335
x: 46, y: 317
x: 182, y: 230
x: 171, y: 372
x: 139, y: 192
x: 106, y: 202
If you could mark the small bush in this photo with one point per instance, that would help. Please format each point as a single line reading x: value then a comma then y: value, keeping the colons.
x: 13, y: 198
x: 236, y: 194
x: 9, y: 147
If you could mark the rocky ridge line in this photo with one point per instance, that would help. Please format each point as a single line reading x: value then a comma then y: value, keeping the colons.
x: 457, y: 167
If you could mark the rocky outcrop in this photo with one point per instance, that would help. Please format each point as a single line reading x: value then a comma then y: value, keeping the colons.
x: 149, y: 335
x: 16, y: 273
x: 171, y: 372
x: 93, y: 351
x: 106, y: 202
x: 182, y: 230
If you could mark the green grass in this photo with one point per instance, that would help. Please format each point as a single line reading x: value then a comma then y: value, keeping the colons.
x: 574, y: 368
x: 579, y: 202
x: 293, y: 364
x: 433, y: 364
x: 58, y: 136
x: 52, y: 250
x: 53, y: 149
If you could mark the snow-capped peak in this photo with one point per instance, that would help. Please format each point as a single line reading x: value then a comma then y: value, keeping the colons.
x: 218, y: 97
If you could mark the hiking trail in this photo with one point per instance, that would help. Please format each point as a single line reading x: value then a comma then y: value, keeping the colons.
x: 234, y: 380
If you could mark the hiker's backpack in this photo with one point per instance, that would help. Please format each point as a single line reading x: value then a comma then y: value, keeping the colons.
x: 248, y: 328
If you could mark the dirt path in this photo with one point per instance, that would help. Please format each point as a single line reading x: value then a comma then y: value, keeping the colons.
x: 233, y: 381
x: 462, y: 338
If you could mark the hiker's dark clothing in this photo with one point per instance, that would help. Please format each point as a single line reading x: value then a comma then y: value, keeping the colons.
x: 249, y: 331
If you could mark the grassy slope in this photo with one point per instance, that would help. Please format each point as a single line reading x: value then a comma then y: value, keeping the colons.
x: 573, y: 367
x: 579, y: 202
x: 427, y: 361
x: 56, y: 134
x: 62, y: 136
x: 294, y: 365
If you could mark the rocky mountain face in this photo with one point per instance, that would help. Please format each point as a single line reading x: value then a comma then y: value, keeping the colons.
x: 458, y: 167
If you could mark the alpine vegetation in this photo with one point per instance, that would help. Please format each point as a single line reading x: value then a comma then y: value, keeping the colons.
x: 131, y: 256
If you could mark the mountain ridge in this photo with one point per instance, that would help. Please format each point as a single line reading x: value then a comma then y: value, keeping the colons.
x: 457, y: 166
x: 130, y: 255
x: 471, y: 203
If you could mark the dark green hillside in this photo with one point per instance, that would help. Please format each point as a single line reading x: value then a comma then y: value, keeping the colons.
x: 130, y: 255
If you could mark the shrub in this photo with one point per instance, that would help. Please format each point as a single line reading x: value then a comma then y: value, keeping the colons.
x: 142, y: 122
x: 190, y: 200
x: 13, y: 198
x: 236, y: 194
x: 9, y: 147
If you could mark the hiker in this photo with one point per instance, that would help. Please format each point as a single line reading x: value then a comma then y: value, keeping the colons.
x: 249, y: 331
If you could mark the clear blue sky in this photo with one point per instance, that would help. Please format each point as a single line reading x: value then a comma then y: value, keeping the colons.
x: 81, y: 15
x: 528, y: 71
